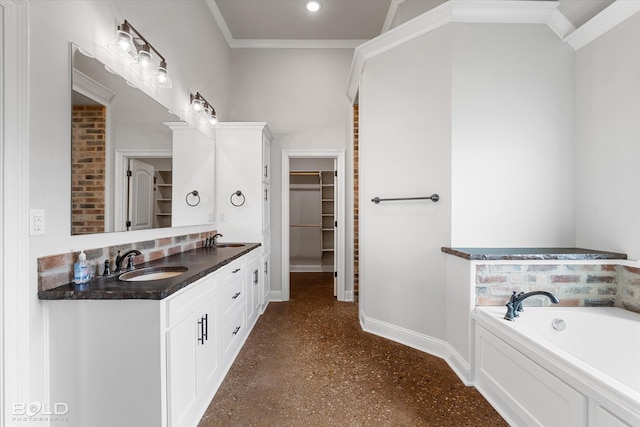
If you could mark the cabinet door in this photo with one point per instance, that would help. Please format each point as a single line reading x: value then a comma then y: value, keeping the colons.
x: 254, y: 291
x: 182, y: 376
x: 266, y: 160
x: 207, y: 352
x: 266, y: 206
x: 266, y: 282
x: 192, y: 361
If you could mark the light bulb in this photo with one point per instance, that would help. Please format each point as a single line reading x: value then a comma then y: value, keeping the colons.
x: 313, y: 5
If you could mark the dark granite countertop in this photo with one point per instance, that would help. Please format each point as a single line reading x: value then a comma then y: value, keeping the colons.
x: 531, y: 254
x: 200, y: 262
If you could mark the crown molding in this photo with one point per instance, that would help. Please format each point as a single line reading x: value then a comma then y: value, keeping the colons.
x: 467, y: 11
x: 295, y: 44
x: 610, y: 17
x: 222, y: 24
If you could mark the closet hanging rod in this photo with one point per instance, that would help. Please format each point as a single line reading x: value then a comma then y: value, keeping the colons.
x: 433, y: 198
x: 305, y: 225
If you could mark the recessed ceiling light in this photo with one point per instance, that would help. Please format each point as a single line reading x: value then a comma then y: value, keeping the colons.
x: 313, y: 5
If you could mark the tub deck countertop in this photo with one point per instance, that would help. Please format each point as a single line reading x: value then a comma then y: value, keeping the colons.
x: 531, y: 254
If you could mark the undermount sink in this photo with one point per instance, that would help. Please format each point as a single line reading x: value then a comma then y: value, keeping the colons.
x: 152, y: 273
x: 228, y: 245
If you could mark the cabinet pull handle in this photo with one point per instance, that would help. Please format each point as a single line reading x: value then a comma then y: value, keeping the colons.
x: 255, y: 277
x: 201, y: 331
x: 235, y: 332
x: 266, y: 171
x: 266, y: 198
x: 235, y: 271
x: 266, y: 267
x: 205, y: 334
x: 236, y: 295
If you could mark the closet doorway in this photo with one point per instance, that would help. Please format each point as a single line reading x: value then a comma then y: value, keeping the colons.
x: 313, y: 209
x: 312, y: 215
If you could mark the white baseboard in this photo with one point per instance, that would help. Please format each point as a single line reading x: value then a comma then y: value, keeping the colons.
x: 310, y: 268
x: 433, y: 346
x: 407, y: 337
x: 275, y: 296
x: 348, y: 296
x: 461, y: 367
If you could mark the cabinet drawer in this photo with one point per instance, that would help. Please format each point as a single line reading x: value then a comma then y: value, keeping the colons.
x: 188, y: 299
x: 232, y: 333
x: 233, y: 291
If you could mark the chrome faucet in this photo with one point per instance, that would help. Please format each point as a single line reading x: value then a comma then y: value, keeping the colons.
x: 120, y: 259
x: 514, y: 306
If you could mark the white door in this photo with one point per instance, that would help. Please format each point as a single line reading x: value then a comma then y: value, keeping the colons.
x: 140, y: 195
x: 335, y: 232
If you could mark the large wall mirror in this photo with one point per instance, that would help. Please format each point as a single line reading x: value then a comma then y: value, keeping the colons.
x: 124, y: 146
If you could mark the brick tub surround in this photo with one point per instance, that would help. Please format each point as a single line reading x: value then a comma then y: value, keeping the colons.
x: 57, y: 270
x: 584, y: 278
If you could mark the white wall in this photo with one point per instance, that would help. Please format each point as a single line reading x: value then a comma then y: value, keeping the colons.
x: 512, y: 137
x: 404, y: 149
x: 490, y: 107
x: 607, y: 145
x: 178, y: 30
x: 301, y: 94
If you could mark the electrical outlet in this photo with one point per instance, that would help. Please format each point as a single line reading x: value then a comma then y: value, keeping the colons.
x: 36, y: 221
x: 212, y: 216
x: 222, y: 216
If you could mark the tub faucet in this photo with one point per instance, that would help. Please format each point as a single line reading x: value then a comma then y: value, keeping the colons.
x: 120, y: 259
x: 514, y: 306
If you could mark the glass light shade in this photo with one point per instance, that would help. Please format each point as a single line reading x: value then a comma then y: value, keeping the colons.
x: 122, y: 45
x: 162, y: 78
x: 143, y: 64
x: 208, y: 116
x: 144, y: 57
x: 213, y: 119
x: 197, y: 105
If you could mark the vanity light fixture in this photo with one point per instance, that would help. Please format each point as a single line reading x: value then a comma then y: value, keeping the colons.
x: 202, y: 109
x: 131, y: 45
x: 313, y: 5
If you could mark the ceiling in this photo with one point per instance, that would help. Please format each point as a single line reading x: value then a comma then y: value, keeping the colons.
x: 339, y: 23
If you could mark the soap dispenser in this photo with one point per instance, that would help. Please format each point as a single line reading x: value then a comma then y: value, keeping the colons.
x: 81, y: 270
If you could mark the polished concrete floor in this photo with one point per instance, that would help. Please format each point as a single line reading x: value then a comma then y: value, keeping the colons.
x: 307, y: 362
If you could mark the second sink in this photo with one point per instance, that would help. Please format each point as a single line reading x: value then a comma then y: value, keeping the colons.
x: 152, y: 273
x: 228, y: 245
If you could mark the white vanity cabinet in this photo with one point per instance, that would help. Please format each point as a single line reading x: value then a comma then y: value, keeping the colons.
x: 243, y: 164
x: 146, y: 362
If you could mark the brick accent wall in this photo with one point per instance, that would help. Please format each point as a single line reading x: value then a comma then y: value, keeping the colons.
x: 88, y: 169
x: 356, y: 199
x: 585, y: 285
x: 57, y: 270
x: 629, y: 287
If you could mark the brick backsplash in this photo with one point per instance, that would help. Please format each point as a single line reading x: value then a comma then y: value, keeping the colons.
x: 88, y: 169
x: 585, y: 285
x: 57, y: 270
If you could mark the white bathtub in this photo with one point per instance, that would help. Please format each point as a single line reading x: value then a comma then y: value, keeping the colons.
x: 585, y: 375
